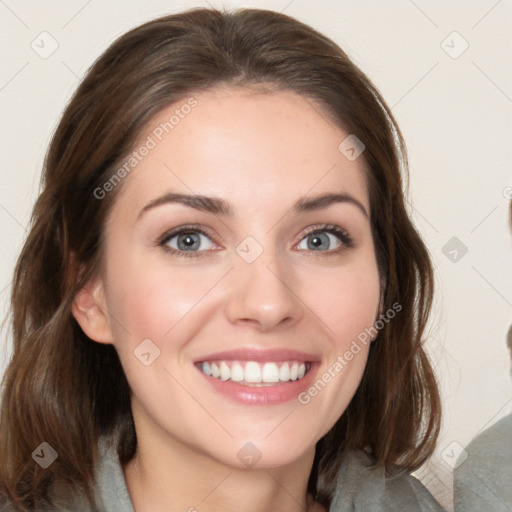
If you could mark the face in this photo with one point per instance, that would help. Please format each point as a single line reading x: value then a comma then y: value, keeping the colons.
x: 234, y: 316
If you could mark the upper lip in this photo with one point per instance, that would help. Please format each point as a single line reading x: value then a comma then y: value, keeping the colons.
x: 259, y: 355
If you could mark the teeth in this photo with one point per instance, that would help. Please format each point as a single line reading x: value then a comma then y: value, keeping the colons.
x: 253, y: 372
x: 225, y: 372
x: 206, y: 368
x: 284, y: 372
x: 237, y: 372
x: 270, y: 373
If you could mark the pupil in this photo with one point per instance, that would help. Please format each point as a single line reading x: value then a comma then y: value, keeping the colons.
x: 317, y: 241
x: 189, y: 240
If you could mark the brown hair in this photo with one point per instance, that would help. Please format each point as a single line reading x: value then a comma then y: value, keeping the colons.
x: 65, y: 389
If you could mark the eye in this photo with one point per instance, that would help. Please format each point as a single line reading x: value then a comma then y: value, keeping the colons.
x: 186, y: 241
x: 328, y: 238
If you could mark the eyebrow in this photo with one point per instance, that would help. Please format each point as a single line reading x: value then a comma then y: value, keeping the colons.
x: 221, y: 207
x: 305, y: 204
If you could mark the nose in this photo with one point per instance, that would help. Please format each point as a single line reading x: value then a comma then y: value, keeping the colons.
x: 264, y: 294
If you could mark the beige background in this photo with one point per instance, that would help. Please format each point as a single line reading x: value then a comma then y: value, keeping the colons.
x: 453, y: 104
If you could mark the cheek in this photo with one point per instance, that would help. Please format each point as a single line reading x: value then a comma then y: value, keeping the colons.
x: 148, y: 301
x: 354, y: 310
x: 346, y: 300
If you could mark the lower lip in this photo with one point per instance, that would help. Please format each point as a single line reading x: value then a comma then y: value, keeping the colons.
x: 265, y: 395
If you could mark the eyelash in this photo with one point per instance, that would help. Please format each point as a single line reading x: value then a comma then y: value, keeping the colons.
x: 162, y: 241
x: 341, y: 234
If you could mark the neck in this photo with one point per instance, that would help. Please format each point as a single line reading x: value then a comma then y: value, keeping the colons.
x: 166, y: 475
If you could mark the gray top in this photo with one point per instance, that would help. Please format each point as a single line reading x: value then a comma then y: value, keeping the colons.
x: 359, y: 488
x: 483, y: 481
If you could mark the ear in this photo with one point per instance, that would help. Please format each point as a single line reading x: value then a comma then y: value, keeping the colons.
x: 90, y: 311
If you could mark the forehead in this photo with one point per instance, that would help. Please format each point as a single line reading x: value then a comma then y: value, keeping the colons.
x: 248, y: 147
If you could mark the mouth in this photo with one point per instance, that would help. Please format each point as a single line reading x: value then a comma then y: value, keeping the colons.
x: 259, y: 377
x: 254, y: 373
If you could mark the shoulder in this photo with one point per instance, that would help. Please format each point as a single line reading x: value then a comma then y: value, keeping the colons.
x: 75, y: 504
x: 60, y: 499
x: 482, y: 477
x: 111, y: 490
x: 497, y: 438
x: 361, y: 486
x: 111, y: 493
x: 109, y: 487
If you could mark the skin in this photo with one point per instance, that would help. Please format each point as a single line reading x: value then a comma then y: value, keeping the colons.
x: 261, y: 152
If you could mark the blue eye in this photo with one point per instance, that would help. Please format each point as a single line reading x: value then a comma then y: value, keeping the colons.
x: 326, y: 239
x: 320, y: 241
x: 186, y: 241
x: 192, y: 241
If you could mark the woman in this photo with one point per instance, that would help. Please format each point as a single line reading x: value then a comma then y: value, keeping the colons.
x: 182, y: 338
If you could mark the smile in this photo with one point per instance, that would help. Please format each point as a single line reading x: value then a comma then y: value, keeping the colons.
x: 253, y: 373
